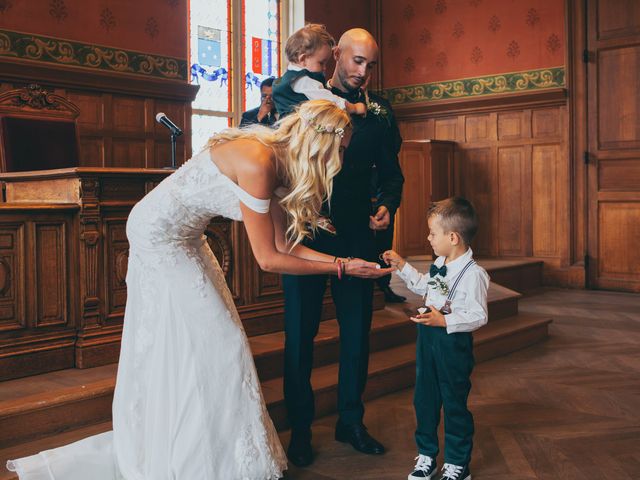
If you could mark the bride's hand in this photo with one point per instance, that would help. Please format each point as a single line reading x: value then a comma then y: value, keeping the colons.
x: 357, y: 267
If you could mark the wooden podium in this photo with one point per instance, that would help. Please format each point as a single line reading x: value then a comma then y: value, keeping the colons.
x: 63, y: 264
x: 427, y: 166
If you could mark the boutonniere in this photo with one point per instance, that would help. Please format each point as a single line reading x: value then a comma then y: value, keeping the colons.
x: 439, y: 284
x: 374, y: 108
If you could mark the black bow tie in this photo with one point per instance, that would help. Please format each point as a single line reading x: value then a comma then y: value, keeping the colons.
x: 433, y: 270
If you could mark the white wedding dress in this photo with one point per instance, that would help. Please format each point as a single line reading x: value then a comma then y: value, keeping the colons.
x: 187, y: 403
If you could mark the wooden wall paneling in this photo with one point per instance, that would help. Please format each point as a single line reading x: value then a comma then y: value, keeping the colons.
x: 477, y: 174
x: 510, y: 125
x: 577, y: 139
x: 127, y: 152
x: 446, y: 128
x: 618, y: 261
x: 428, y: 170
x: 545, y: 181
x: 411, y: 231
x: 129, y: 115
x: 511, y: 197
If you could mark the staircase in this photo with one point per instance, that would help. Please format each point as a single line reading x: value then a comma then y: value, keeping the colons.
x: 56, y: 408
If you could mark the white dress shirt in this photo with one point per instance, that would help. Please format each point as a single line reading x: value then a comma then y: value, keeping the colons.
x: 469, y: 302
x: 312, y: 89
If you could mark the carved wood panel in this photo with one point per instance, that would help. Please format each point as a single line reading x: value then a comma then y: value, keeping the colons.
x: 12, y: 279
x: 50, y: 258
x: 116, y: 259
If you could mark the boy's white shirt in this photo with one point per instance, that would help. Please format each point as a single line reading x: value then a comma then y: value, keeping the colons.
x: 312, y: 89
x: 469, y: 303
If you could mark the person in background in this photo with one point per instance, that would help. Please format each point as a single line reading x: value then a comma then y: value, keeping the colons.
x: 265, y: 114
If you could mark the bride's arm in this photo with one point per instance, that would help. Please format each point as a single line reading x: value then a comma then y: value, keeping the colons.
x: 257, y: 176
x: 279, y: 222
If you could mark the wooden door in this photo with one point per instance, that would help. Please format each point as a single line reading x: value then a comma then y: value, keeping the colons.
x: 613, y: 77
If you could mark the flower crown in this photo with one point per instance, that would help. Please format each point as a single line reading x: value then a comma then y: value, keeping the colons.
x: 323, y: 128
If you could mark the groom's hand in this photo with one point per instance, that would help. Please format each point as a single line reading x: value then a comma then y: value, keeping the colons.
x: 381, y: 220
x: 363, y: 269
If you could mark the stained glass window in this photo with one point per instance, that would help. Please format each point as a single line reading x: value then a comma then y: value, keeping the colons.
x: 255, y: 33
x: 261, y: 46
x: 209, y: 44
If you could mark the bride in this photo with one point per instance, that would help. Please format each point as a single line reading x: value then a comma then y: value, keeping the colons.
x: 187, y: 403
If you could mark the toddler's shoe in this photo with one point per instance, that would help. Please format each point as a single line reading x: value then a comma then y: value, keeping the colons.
x: 425, y: 468
x: 454, y: 472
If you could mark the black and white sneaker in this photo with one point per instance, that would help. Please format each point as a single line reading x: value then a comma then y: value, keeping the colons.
x: 454, y: 472
x: 425, y: 468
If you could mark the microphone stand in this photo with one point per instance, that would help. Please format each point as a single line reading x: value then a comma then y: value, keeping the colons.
x: 173, y: 151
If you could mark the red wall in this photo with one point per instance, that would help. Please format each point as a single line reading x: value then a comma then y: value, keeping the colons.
x: 426, y: 41
x: 339, y: 15
x: 150, y: 26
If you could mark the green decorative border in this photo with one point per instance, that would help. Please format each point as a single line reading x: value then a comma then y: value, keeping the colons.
x: 65, y: 52
x: 474, y: 87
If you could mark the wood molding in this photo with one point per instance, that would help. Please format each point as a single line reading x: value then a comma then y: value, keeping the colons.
x: 540, y: 98
x: 25, y: 71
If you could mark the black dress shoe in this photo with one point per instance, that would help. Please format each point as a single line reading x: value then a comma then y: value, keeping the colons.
x: 359, y: 439
x: 299, y: 452
x: 390, y: 296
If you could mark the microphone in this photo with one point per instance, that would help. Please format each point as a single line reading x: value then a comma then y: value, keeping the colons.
x: 164, y: 120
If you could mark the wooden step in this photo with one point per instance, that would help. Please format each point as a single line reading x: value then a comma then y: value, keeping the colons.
x: 519, y: 274
x: 57, y: 401
x: 390, y: 327
x: 510, y: 334
x: 390, y: 369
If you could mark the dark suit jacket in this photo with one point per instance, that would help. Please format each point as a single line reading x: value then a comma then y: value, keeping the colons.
x: 376, y: 141
x: 251, y: 116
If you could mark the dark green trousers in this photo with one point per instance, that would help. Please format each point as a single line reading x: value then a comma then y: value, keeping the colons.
x: 444, y: 365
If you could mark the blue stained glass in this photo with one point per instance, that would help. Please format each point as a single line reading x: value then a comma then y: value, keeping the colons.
x: 209, y: 52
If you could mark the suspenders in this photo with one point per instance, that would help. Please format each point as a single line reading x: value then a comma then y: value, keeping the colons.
x: 446, y: 308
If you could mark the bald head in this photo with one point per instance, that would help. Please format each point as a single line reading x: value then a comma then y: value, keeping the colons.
x: 357, y: 36
x: 355, y: 55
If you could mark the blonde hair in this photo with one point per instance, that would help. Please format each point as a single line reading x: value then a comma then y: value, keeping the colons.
x: 307, y: 148
x: 307, y: 40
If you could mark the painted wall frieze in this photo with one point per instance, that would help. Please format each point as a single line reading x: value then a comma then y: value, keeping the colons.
x: 70, y: 53
x: 471, y: 87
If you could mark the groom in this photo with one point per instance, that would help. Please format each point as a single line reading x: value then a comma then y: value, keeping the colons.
x: 374, y: 142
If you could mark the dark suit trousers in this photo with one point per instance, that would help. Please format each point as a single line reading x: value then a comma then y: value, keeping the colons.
x: 353, y: 298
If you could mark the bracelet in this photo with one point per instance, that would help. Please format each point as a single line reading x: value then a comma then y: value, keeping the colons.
x: 339, y: 269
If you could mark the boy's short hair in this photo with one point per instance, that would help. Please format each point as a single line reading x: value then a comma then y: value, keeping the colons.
x: 307, y: 40
x: 456, y: 215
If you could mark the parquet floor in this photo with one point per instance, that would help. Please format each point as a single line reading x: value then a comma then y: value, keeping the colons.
x: 568, y: 408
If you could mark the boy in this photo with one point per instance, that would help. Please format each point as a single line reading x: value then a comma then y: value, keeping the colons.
x: 308, y: 51
x: 455, y: 292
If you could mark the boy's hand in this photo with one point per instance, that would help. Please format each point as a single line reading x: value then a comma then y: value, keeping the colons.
x: 393, y: 259
x: 432, y: 319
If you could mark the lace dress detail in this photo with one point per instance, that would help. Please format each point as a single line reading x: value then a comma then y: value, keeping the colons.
x: 188, y: 403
